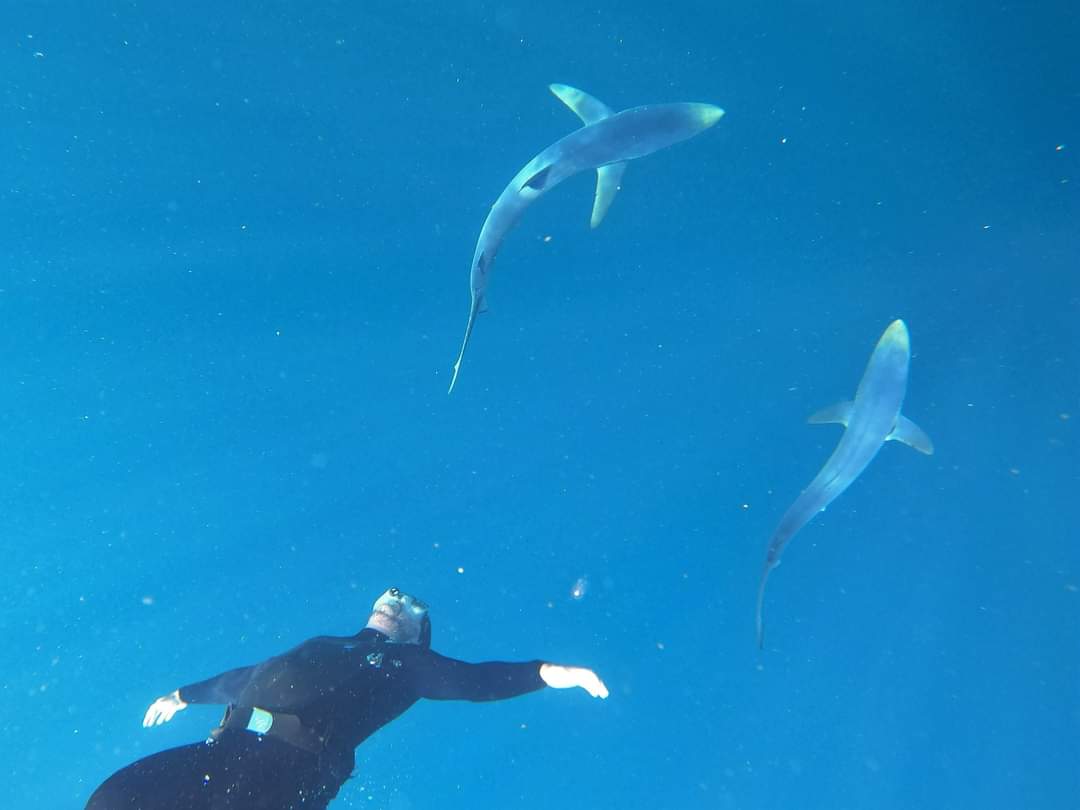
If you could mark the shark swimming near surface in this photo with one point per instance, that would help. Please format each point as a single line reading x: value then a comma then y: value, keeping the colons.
x: 605, y: 143
x: 872, y: 419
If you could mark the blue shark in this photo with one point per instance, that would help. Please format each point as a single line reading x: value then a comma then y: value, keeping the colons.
x: 872, y: 419
x: 605, y: 143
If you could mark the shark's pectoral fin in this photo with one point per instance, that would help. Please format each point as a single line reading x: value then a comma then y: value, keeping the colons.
x: 590, y: 110
x: 911, y: 434
x: 608, y: 179
x: 838, y: 414
x: 587, y: 108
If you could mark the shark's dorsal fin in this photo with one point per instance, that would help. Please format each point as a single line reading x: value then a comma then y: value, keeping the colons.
x: 587, y: 108
x: 590, y: 110
x: 911, y: 434
x: 838, y: 413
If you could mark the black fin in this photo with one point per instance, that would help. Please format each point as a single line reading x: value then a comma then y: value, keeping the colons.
x: 538, y: 180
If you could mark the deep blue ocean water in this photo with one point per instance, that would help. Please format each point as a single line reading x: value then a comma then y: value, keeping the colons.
x: 234, y: 255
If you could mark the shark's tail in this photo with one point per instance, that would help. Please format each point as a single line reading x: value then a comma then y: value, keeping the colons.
x: 473, y: 309
x: 759, y: 621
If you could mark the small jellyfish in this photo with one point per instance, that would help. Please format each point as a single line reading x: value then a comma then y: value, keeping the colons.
x: 580, y: 588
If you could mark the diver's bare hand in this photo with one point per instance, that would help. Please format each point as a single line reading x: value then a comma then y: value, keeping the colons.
x: 163, y: 709
x: 559, y: 677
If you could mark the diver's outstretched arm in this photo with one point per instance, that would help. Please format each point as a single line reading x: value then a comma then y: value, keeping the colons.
x: 558, y: 676
x: 163, y: 709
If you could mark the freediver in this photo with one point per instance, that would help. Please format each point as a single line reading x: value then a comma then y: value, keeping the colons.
x: 288, y: 736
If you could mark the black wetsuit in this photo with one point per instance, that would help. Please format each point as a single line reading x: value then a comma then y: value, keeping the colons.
x: 325, y: 697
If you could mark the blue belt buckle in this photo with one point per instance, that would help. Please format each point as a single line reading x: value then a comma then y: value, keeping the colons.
x: 260, y: 721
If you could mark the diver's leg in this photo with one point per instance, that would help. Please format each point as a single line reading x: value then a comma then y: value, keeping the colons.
x: 237, y: 772
x: 157, y: 782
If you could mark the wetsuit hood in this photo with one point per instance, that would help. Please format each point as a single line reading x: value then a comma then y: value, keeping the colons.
x: 402, y: 618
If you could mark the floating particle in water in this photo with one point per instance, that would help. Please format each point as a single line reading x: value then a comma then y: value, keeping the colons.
x: 580, y: 588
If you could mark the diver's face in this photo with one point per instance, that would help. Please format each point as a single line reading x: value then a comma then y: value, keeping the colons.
x: 398, y: 615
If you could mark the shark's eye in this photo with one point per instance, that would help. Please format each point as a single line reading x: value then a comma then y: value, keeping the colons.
x: 394, y: 592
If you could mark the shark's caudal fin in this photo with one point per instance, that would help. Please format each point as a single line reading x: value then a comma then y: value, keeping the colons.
x: 590, y: 110
x: 759, y: 622
x: 476, y: 306
x: 759, y: 614
x: 911, y: 434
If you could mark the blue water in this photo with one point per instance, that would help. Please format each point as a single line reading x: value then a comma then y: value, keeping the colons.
x: 234, y: 246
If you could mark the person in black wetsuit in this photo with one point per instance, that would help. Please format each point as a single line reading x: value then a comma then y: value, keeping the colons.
x: 288, y: 736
